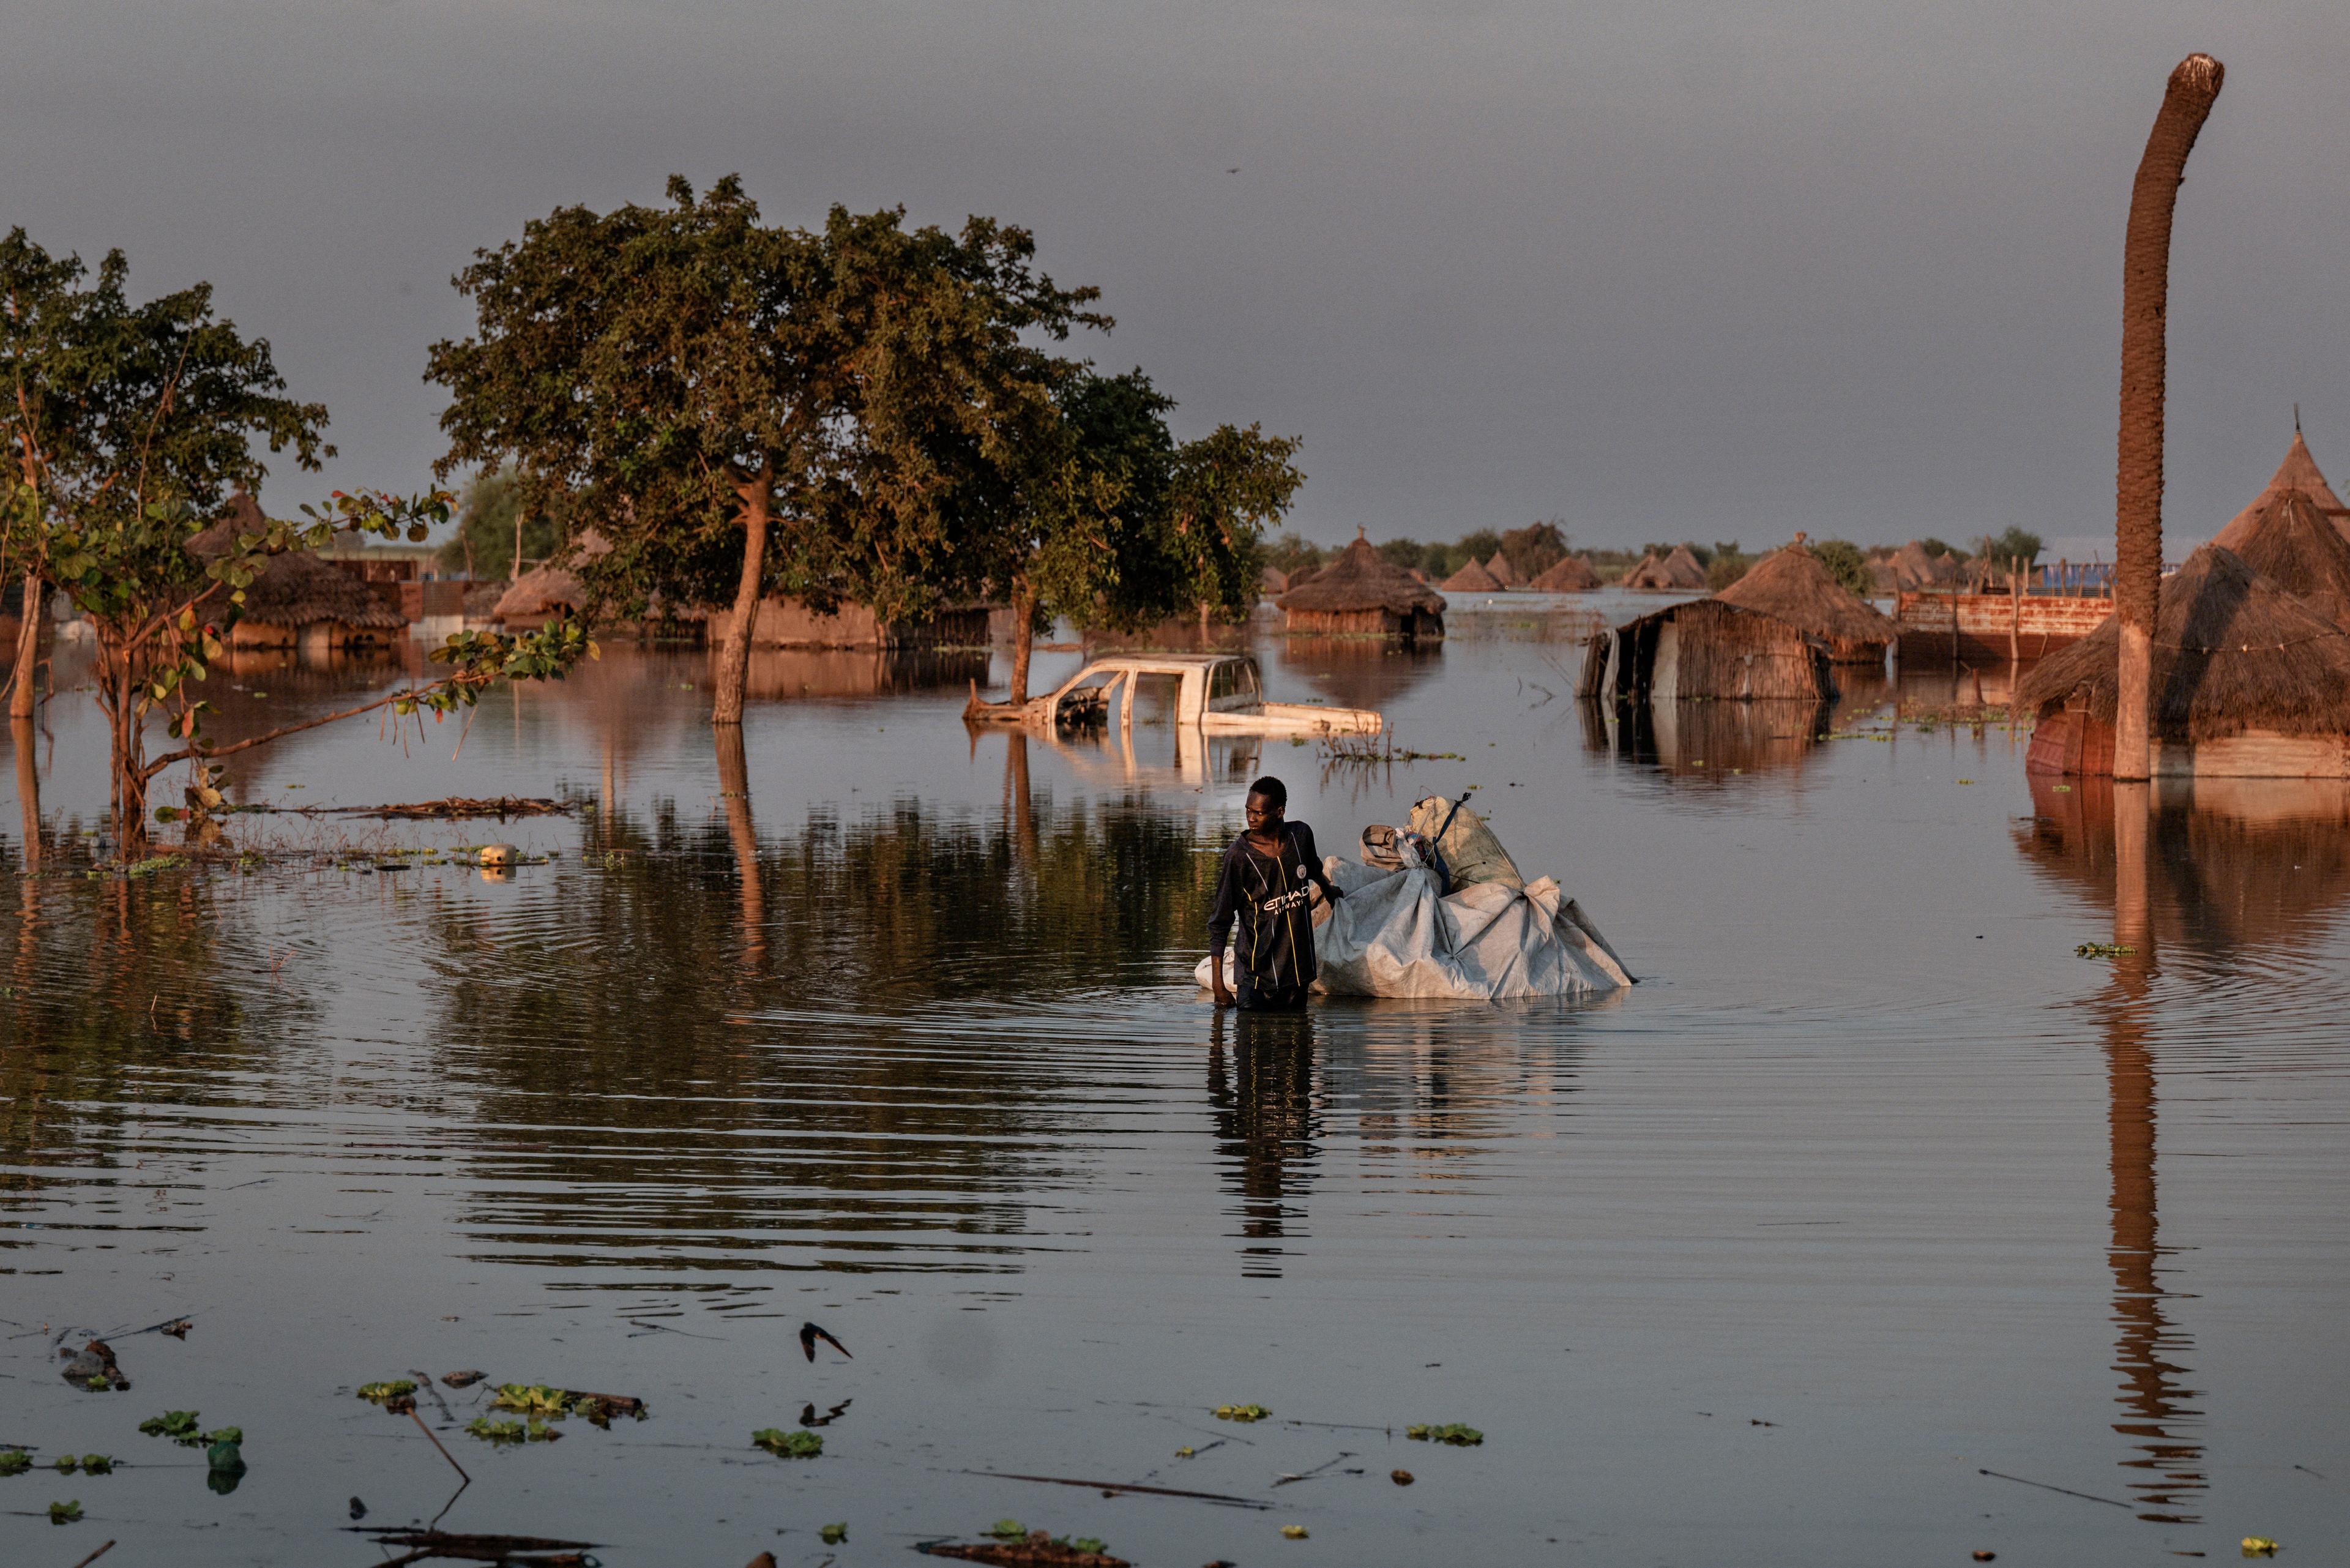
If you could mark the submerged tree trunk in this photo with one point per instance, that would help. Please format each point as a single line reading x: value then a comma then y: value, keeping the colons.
x: 734, y: 658
x: 127, y: 746
x: 2137, y: 489
x: 28, y: 650
x: 1023, y: 614
x: 28, y: 787
x: 735, y: 788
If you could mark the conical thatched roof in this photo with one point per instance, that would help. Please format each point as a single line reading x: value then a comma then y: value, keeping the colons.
x: 296, y: 588
x: 2292, y: 542
x: 1793, y: 585
x: 1914, y: 566
x: 1571, y: 576
x: 1649, y: 574
x: 2232, y: 651
x: 1360, y: 578
x: 1503, y: 573
x: 1272, y: 580
x: 1473, y: 579
x: 2299, y: 471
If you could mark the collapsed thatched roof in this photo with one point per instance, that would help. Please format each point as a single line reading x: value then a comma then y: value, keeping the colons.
x: 1473, y: 579
x: 2291, y: 542
x: 1915, y: 566
x: 552, y: 585
x: 1793, y: 585
x: 296, y: 588
x: 2232, y: 651
x: 1504, y: 573
x: 2299, y: 471
x: 1573, y: 575
x: 1360, y: 578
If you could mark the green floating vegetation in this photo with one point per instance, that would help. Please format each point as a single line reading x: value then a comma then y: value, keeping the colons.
x: 180, y: 1425
x: 1007, y: 1530
x: 1013, y: 1530
x: 1453, y: 1432
x: 1242, y: 1412
x: 15, y: 1462
x: 97, y: 1464
x: 2103, y: 950
x: 532, y: 1399
x: 507, y: 1433
x: 380, y: 1393
x: 65, y: 1513
x: 833, y: 1535
x: 799, y: 1444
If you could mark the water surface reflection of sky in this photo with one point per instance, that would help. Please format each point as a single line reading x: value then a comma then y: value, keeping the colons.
x: 887, y: 1025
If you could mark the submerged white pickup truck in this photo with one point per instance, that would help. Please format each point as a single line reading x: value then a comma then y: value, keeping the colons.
x: 1216, y: 691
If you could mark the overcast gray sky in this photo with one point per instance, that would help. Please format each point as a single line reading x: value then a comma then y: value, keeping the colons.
x: 1660, y: 269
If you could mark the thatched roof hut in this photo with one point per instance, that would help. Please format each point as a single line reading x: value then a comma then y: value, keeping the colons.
x: 1793, y: 586
x: 2291, y: 542
x: 1363, y: 591
x: 1503, y: 573
x: 1706, y: 649
x: 2249, y: 681
x: 1473, y: 579
x: 2299, y: 471
x: 1272, y: 580
x: 1677, y: 572
x: 1572, y: 574
x: 538, y: 596
x: 296, y: 596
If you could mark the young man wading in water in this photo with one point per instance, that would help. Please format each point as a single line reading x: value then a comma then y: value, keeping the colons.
x: 1265, y: 884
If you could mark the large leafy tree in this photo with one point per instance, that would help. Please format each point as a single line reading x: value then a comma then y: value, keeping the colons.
x: 757, y: 408
x: 134, y: 422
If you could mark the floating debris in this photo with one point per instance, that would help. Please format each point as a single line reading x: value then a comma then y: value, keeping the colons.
x: 93, y: 1367
x: 70, y: 1513
x: 465, y: 1380
x: 1401, y: 1477
x: 1014, y: 1548
x: 832, y: 1534
x: 1294, y: 1531
x: 509, y: 1550
x: 2260, y: 1546
x: 2103, y: 950
x: 801, y: 1445
x: 505, y: 1433
x: 1242, y: 1412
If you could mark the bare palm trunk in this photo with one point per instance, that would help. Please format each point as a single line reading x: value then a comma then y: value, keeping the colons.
x: 734, y: 658
x: 28, y: 650
x: 1024, y: 613
x: 2137, y: 489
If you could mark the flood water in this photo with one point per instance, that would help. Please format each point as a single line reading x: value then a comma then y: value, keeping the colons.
x: 1870, y: 1187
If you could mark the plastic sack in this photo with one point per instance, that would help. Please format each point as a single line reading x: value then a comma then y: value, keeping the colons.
x: 1467, y: 847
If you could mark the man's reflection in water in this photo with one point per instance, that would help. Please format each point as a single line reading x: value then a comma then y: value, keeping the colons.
x: 2146, y: 1341
x: 1265, y: 1124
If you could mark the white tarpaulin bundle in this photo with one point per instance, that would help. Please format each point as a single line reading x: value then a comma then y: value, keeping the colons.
x: 1393, y: 935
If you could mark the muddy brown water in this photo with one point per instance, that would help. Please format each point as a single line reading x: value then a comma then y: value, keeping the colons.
x: 1871, y: 1188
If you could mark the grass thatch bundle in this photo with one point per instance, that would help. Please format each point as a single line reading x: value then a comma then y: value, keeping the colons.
x: 1570, y: 575
x: 2234, y: 652
x: 2290, y: 541
x: 1793, y: 586
x: 1362, y: 590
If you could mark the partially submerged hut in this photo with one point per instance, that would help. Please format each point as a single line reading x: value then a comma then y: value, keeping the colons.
x: 1363, y: 591
x: 2290, y: 541
x: 296, y: 600
x: 1794, y: 586
x: 2299, y: 471
x: 1503, y: 573
x: 1473, y: 579
x: 1573, y: 575
x: 1706, y: 649
x: 1677, y: 572
x: 2248, y: 682
x: 539, y: 596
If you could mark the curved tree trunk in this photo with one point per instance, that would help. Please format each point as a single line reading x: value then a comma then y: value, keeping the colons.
x: 734, y: 658
x: 28, y: 650
x: 2137, y: 487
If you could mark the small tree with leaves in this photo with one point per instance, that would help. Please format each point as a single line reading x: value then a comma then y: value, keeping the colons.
x: 143, y: 418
